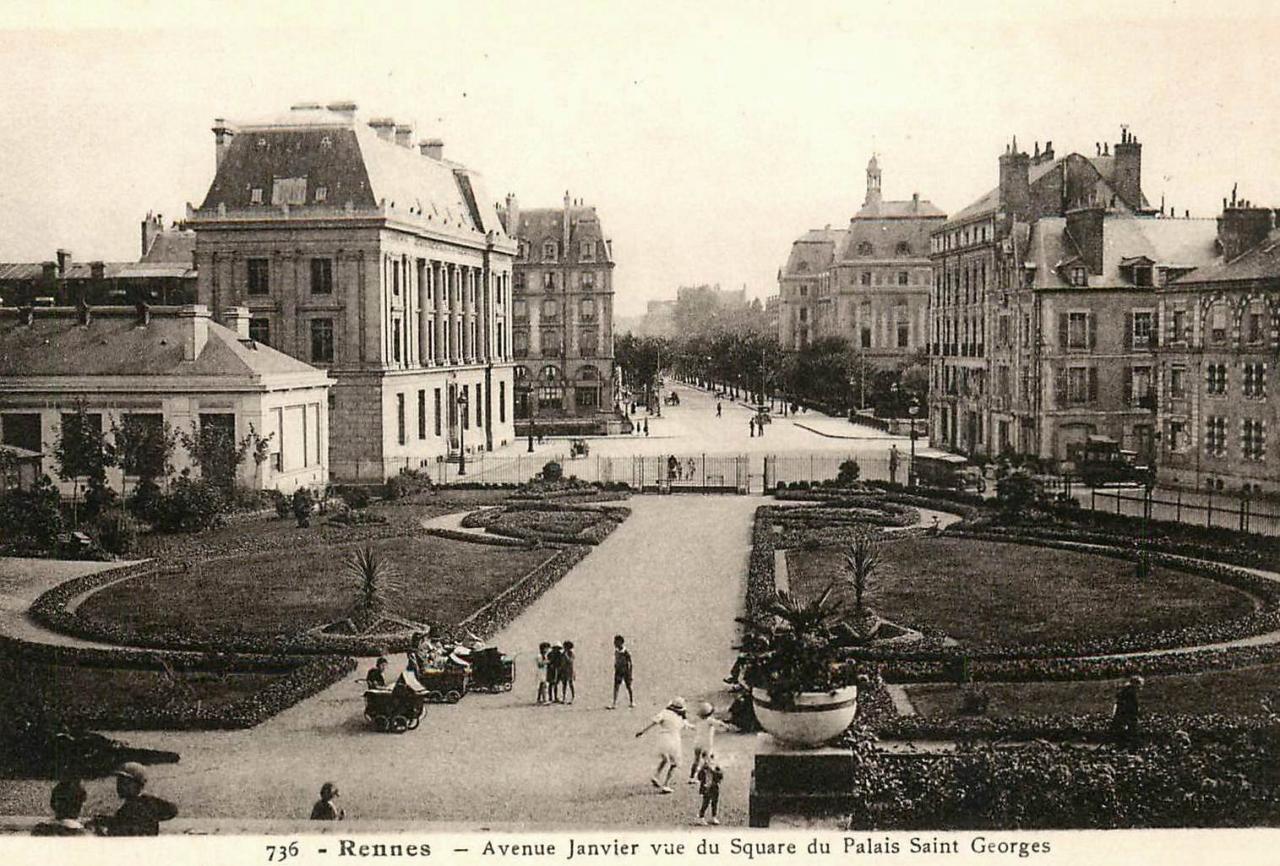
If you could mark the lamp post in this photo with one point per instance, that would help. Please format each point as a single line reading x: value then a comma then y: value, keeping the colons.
x: 912, y: 410
x: 462, y: 433
x: 531, y: 423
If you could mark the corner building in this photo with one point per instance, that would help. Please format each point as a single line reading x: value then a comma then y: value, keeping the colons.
x: 361, y: 252
x: 562, y: 337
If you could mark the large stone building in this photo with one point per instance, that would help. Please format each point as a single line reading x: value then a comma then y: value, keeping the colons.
x: 360, y: 251
x: 1219, y: 330
x: 149, y: 365
x: 988, y: 314
x: 868, y: 283
x: 562, y: 335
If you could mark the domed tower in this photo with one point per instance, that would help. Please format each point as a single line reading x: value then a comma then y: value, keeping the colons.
x: 873, y: 183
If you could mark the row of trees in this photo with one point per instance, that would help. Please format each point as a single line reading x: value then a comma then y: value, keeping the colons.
x: 750, y: 364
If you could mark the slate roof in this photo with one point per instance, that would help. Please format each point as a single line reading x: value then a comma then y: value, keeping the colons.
x: 1259, y: 263
x: 1169, y: 243
x: 538, y: 225
x: 813, y: 252
x: 113, y: 344
x: 353, y: 165
x: 885, y: 236
x: 899, y: 210
x: 173, y: 246
x: 990, y: 201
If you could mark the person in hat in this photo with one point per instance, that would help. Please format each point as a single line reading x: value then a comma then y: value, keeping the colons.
x: 1124, y: 724
x: 325, y: 809
x: 710, y: 775
x: 376, y: 678
x: 670, y: 722
x: 705, y: 727
x: 66, y: 800
x: 140, y: 814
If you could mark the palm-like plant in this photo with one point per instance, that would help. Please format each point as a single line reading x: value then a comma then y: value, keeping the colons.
x: 792, y: 649
x: 374, y: 578
x: 861, y: 561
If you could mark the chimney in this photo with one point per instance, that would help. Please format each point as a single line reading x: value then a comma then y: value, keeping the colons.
x: 237, y: 319
x: 1127, y: 172
x: 344, y: 107
x: 64, y: 261
x: 564, y: 250
x: 1015, y: 182
x: 1048, y: 151
x: 222, y: 135
x: 97, y: 271
x: 513, y: 215
x: 306, y: 106
x: 1242, y: 228
x: 404, y: 135
x: 915, y: 202
x: 384, y: 126
x: 151, y: 226
x: 432, y: 147
x: 1085, y: 226
x: 194, y: 319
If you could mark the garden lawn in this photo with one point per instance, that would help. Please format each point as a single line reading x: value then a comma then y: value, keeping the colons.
x: 290, y: 590
x: 1231, y: 693
x: 987, y: 592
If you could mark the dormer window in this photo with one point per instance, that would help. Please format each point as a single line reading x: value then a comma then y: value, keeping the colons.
x: 322, y: 193
x: 865, y: 248
x: 549, y: 251
x: 1142, y: 275
x: 1079, y: 277
x: 587, y: 251
x: 255, y: 195
x: 326, y: 141
x: 903, y: 248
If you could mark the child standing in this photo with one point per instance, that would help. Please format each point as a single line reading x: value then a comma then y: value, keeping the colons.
x: 705, y: 726
x: 567, y: 689
x: 554, y: 659
x: 325, y: 809
x: 670, y: 722
x: 542, y: 671
x: 621, y: 670
x: 709, y: 779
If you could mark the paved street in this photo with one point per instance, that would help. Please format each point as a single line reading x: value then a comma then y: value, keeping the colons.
x: 670, y: 579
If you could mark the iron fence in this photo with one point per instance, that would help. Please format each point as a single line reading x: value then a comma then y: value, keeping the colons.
x: 1239, y: 512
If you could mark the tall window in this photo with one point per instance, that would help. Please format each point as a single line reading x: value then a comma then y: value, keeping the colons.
x: 1177, y: 382
x: 260, y: 330
x: 436, y: 406
x: 422, y: 413
x: 479, y: 405
x: 259, y: 276
x: 1253, y: 439
x: 1215, y: 378
x: 587, y: 308
x: 519, y: 309
x: 1218, y: 324
x: 466, y: 399
x: 903, y: 278
x: 1255, y: 380
x: 502, y: 402
x: 866, y: 336
x: 865, y: 278
x: 1078, y: 277
x: 400, y: 418
x: 1253, y: 331
x: 904, y: 335
x: 396, y: 341
x: 1215, y: 436
x: 322, y: 341
x: 549, y: 251
x: 322, y: 276
x: 1179, y: 327
x: 588, y: 279
x: 146, y: 429
x: 550, y: 309
x: 548, y: 280
x: 1142, y: 328
x: 587, y: 345
x: 1075, y: 327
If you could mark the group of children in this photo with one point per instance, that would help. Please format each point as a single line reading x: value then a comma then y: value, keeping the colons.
x: 556, y: 673
x: 706, y: 771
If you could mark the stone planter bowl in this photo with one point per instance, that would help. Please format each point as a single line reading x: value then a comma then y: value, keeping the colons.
x: 814, y: 719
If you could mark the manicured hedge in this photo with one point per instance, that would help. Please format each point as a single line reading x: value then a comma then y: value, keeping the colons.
x: 1084, y: 727
x: 478, y: 538
x: 559, y: 525
x: 497, y: 614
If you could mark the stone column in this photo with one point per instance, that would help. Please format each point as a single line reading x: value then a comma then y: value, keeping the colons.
x: 424, y: 312
x: 438, y: 298
x: 468, y: 289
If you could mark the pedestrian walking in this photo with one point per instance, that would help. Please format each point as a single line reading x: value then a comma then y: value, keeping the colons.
x: 718, y: 408
x: 622, y: 670
x: 325, y: 809
x: 670, y: 722
x: 704, y: 739
x: 139, y: 814
x: 66, y: 800
x: 752, y: 423
x: 646, y: 426
x: 568, y: 690
x: 543, y: 649
x: 1124, y: 724
x: 709, y: 778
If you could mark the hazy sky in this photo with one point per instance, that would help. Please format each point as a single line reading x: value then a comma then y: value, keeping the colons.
x: 709, y: 135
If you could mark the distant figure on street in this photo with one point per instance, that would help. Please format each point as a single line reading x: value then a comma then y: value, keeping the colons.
x: 66, y: 800
x: 670, y: 722
x: 646, y: 426
x: 622, y: 670
x: 325, y: 809
x: 709, y: 778
x: 752, y: 423
x: 1124, y: 724
x: 718, y: 408
x: 893, y: 464
x: 140, y: 814
x: 760, y: 426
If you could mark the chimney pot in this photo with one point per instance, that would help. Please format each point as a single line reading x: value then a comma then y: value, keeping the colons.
x: 222, y: 135
x: 64, y: 261
x: 384, y: 126
x: 432, y: 147
x: 404, y: 135
x: 343, y: 107
x: 237, y: 319
x: 306, y: 106
x: 195, y: 331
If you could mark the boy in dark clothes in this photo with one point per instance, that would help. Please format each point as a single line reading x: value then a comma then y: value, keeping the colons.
x: 555, y: 657
x: 709, y: 779
x: 66, y: 800
x: 621, y: 670
x: 140, y: 814
x: 325, y: 809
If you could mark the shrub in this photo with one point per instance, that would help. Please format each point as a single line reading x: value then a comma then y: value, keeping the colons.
x: 1016, y: 493
x: 974, y: 701
x: 117, y: 533
x: 31, y: 520
x: 356, y: 497
x: 551, y: 471
x: 303, y: 504
x: 283, y: 504
x: 849, y: 472
x: 191, y: 504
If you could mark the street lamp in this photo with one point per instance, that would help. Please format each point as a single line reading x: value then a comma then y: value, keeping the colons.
x: 462, y: 434
x: 912, y: 410
x: 531, y: 424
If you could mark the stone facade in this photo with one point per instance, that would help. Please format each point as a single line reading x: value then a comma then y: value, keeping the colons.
x: 362, y: 254
x: 1218, y: 380
x: 562, y: 336
x: 868, y: 283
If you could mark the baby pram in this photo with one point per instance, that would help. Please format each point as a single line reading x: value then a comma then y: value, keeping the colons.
x: 491, y: 671
x: 397, y: 709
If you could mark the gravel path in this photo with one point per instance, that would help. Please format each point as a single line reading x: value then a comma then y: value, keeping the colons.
x: 670, y: 578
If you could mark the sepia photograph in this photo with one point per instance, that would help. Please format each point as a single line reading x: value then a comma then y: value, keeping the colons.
x: 664, y: 431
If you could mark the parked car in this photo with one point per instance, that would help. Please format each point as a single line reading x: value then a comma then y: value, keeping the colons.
x: 1100, y: 460
x: 949, y: 471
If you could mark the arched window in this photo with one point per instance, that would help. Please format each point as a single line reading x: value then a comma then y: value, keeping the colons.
x: 865, y: 248
x: 551, y: 373
x: 521, y: 372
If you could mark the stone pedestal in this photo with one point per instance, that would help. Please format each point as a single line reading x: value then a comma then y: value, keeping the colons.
x: 808, y: 782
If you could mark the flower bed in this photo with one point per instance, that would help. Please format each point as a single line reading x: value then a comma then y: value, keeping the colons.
x: 561, y: 523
